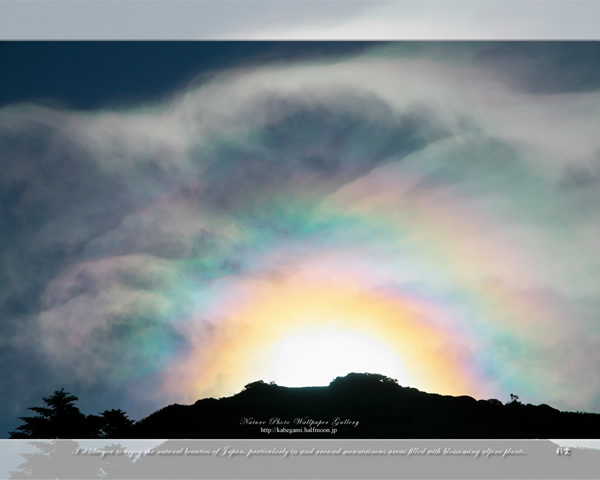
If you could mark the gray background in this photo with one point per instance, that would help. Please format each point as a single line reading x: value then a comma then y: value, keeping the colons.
x: 305, y: 19
x: 541, y: 460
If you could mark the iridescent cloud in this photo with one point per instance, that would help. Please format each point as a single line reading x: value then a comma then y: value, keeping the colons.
x: 422, y: 212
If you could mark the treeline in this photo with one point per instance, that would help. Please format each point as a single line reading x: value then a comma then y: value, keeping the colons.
x: 367, y: 406
x: 372, y: 405
x: 60, y: 418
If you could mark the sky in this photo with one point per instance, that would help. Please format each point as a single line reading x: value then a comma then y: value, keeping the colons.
x: 180, y: 219
x: 299, y: 19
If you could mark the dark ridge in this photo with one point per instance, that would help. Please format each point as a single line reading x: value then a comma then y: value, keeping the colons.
x: 366, y: 406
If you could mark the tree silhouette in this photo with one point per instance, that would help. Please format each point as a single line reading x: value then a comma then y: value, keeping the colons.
x: 60, y: 418
x: 114, y: 424
x: 258, y: 387
x: 363, y: 380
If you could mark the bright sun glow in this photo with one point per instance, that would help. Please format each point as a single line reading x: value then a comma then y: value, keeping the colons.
x: 316, y: 356
x: 311, y: 328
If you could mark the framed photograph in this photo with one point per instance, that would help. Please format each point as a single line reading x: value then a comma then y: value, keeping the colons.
x: 300, y: 243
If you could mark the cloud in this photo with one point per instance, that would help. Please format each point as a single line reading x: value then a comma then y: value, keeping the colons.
x: 126, y: 228
x: 435, y: 19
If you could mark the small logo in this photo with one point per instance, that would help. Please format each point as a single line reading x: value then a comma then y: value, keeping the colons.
x: 563, y: 451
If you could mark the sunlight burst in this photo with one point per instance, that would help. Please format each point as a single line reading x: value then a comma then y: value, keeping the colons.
x: 316, y: 356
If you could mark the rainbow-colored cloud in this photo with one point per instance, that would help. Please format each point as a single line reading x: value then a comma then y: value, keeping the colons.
x: 417, y: 215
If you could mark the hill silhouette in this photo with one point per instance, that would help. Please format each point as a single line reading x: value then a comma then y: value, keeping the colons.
x: 360, y: 406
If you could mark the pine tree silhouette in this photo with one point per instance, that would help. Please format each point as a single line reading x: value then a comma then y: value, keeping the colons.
x: 60, y: 418
x: 115, y: 424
